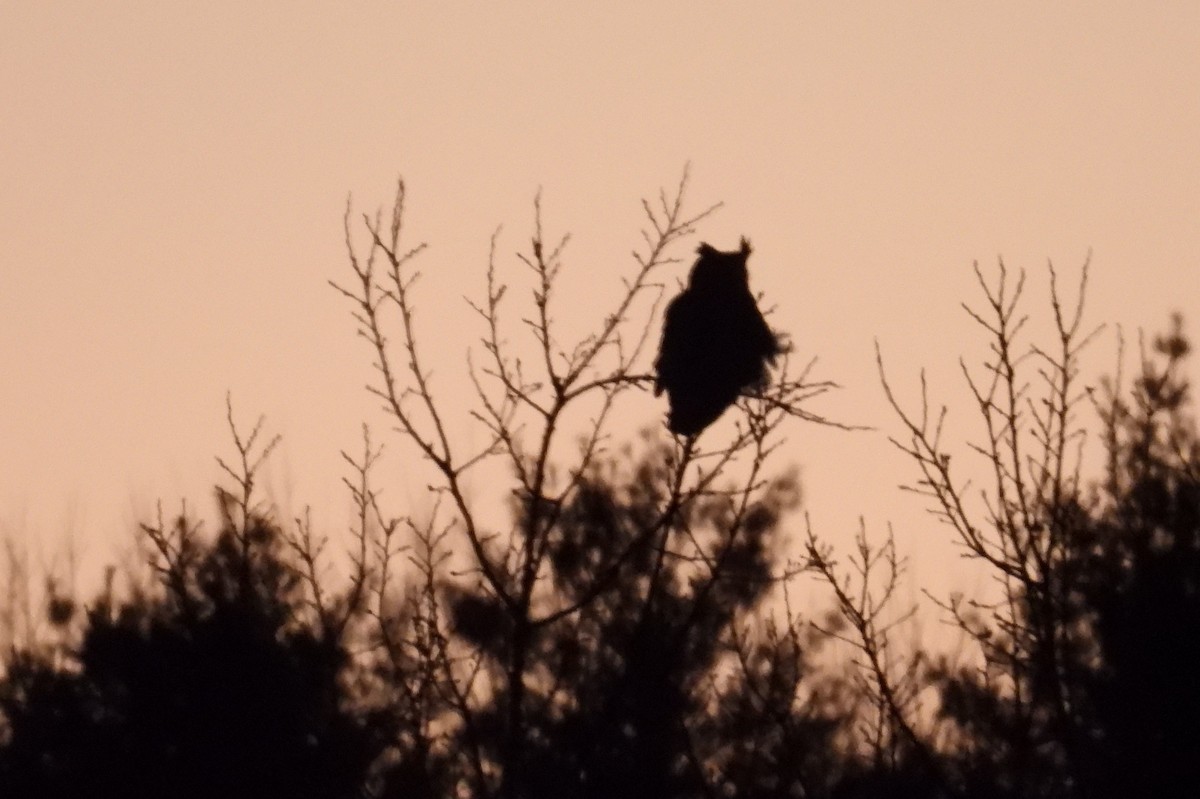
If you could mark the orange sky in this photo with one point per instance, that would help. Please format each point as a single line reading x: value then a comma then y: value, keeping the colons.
x: 172, y: 180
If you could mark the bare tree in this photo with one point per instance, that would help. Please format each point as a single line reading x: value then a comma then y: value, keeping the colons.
x: 1026, y: 527
x: 527, y: 405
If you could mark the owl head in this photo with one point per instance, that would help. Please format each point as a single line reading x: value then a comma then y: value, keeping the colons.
x: 716, y: 270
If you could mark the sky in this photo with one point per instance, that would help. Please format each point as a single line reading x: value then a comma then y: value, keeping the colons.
x: 173, y: 179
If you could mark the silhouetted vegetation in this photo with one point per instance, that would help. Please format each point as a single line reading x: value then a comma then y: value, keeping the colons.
x: 627, y: 626
x: 1076, y: 679
x: 210, y: 683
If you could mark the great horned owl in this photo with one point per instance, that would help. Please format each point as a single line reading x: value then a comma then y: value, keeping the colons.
x: 715, y: 342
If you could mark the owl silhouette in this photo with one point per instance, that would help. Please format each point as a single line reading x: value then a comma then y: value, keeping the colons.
x: 715, y: 342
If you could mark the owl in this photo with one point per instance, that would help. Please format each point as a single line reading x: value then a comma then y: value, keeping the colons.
x: 715, y: 342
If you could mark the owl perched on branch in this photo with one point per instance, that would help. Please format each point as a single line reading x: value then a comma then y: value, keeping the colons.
x: 715, y: 342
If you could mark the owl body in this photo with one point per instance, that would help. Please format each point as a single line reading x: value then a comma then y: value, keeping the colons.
x: 715, y: 342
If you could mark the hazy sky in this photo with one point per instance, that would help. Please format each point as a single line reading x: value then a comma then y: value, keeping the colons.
x: 173, y: 178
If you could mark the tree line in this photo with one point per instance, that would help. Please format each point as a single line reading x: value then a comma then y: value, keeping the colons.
x: 628, y: 626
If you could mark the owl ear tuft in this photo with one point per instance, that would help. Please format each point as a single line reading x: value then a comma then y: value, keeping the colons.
x: 746, y: 250
x: 706, y: 249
